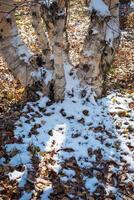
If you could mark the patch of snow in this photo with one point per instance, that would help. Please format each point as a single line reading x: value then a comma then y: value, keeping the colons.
x: 69, y: 172
x: 100, y: 7
x: 47, y: 2
x: 48, y: 74
x: 132, y: 4
x: 22, y: 158
x: 67, y: 132
x: 47, y: 191
x: 15, y: 175
x: 26, y: 196
x: 91, y: 183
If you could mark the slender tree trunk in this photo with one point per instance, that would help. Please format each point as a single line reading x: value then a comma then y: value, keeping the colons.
x: 42, y: 36
x: 54, y: 17
x: 100, y: 43
x: 12, y: 49
x: 124, y: 11
x: 58, y: 51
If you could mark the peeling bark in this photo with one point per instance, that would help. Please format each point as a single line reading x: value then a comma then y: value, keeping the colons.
x: 100, y: 44
x: 12, y: 49
x: 54, y: 17
x: 42, y: 36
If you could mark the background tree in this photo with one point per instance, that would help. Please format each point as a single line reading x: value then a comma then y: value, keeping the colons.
x: 124, y: 10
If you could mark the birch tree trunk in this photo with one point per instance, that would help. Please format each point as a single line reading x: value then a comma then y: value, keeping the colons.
x: 54, y: 17
x: 42, y: 36
x: 12, y: 49
x: 100, y: 43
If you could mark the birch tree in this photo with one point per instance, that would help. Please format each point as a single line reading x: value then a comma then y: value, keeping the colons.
x: 54, y: 15
x: 100, y: 44
x: 40, y: 30
x: 12, y: 48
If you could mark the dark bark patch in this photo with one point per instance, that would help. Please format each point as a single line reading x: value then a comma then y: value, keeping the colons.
x: 54, y: 7
x: 77, y: 66
x: 9, y: 21
x: 1, y: 38
x: 39, y: 61
x: 57, y: 44
x: 85, y: 68
x: 90, y: 32
x: 103, y: 42
x: 23, y: 55
x: 34, y: 14
x: 45, y: 51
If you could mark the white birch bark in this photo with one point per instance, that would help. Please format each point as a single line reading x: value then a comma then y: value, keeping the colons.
x: 54, y: 17
x: 12, y: 48
x: 100, y: 43
x: 42, y: 36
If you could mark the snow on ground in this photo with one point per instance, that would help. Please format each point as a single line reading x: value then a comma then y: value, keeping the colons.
x: 80, y: 141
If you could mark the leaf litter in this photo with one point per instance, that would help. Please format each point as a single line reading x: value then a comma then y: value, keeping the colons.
x: 76, y: 149
x: 70, y: 158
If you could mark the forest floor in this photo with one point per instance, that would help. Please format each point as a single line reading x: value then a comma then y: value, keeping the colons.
x: 80, y: 148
